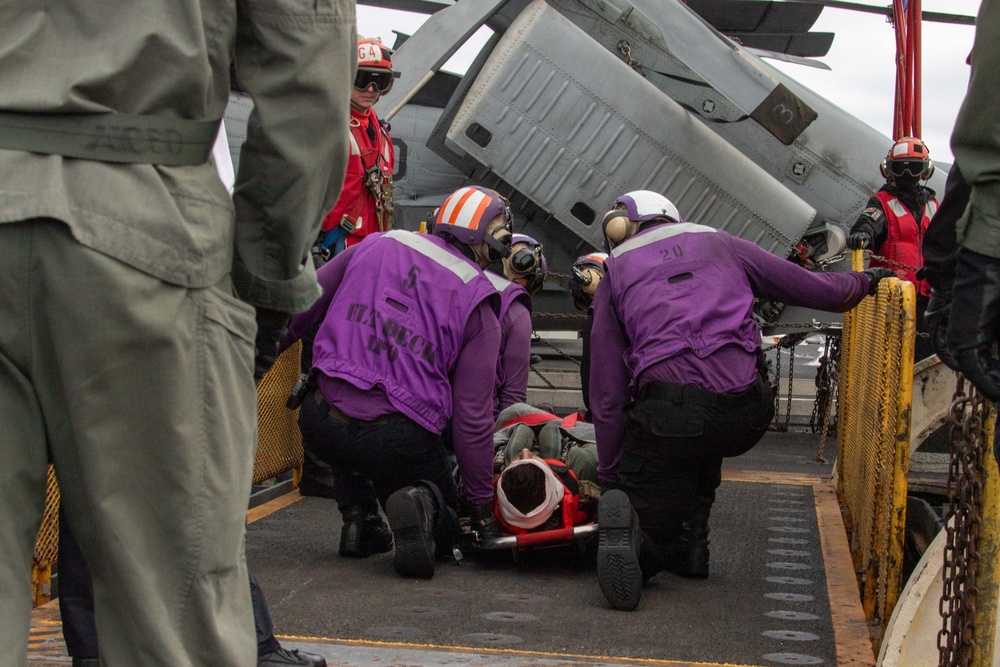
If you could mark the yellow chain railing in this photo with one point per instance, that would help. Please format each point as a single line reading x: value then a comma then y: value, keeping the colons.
x: 279, y: 449
x: 873, y: 440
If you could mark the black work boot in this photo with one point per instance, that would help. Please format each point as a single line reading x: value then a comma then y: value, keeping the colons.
x: 364, y: 533
x: 689, y: 553
x: 282, y: 657
x: 618, y: 570
x: 317, y: 477
x: 411, y: 511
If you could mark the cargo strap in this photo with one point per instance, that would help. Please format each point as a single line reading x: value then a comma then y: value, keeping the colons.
x: 536, y: 418
x: 110, y: 137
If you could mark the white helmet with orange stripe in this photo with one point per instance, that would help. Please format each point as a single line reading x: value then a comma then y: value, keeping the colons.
x: 475, y: 216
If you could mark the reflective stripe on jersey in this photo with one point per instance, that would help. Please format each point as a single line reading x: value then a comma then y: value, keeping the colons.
x: 662, y: 232
x: 897, y: 207
x: 461, y: 268
x: 499, y: 282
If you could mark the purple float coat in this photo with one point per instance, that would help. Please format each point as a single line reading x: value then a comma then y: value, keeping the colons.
x: 515, y: 343
x: 448, y: 303
x: 676, y: 306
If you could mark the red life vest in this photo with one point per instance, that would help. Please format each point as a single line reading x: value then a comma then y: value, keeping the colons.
x: 356, y: 201
x: 904, y: 238
x: 569, y: 505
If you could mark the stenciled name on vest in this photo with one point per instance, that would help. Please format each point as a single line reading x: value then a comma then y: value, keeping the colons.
x: 389, y: 336
x: 136, y: 140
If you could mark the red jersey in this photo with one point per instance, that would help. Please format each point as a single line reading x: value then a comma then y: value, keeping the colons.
x: 356, y: 201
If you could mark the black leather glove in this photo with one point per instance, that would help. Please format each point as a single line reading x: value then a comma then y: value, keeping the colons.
x: 484, y: 522
x: 272, y: 325
x: 937, y: 316
x: 861, y: 236
x: 974, y: 326
x: 874, y: 276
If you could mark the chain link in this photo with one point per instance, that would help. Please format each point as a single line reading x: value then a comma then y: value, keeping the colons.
x: 534, y: 369
x: 956, y: 643
x: 827, y: 381
x: 777, y: 424
x: 558, y: 277
x: 563, y: 316
x: 891, y: 262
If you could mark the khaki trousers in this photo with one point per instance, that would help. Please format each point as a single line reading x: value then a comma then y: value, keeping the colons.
x: 141, y: 394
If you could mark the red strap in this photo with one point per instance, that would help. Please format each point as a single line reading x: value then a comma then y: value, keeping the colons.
x: 532, y: 419
x: 570, y: 420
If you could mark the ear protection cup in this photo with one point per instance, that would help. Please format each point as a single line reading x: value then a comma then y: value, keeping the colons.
x: 928, y: 172
x: 617, y: 227
x: 884, y: 169
x: 524, y: 260
x: 589, y: 280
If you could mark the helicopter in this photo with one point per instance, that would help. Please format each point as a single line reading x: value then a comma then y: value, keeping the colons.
x: 572, y: 102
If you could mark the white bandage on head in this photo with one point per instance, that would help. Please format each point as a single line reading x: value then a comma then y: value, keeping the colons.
x: 539, y: 515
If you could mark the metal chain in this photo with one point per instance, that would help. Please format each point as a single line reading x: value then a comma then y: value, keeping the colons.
x: 777, y: 383
x: 534, y: 369
x: 956, y: 643
x: 788, y: 400
x: 827, y: 382
x: 822, y: 384
x: 892, y: 262
x: 777, y: 425
x: 559, y: 277
x: 563, y: 316
x: 536, y: 337
x: 544, y: 379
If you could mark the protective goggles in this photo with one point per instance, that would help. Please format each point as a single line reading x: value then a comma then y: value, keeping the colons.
x: 899, y: 168
x: 382, y: 79
x: 498, y: 243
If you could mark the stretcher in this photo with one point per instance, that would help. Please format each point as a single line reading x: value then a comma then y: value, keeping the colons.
x: 571, y: 535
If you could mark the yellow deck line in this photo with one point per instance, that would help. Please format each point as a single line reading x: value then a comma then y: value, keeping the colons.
x: 273, y: 506
x: 511, y: 652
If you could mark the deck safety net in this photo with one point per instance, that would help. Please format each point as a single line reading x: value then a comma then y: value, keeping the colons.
x: 873, y: 441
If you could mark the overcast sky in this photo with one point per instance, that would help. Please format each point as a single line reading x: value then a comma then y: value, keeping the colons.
x: 862, y: 62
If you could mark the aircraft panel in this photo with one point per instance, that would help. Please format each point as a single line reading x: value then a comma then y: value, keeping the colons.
x: 577, y: 132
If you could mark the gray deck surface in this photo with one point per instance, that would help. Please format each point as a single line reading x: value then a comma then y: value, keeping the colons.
x: 764, y: 603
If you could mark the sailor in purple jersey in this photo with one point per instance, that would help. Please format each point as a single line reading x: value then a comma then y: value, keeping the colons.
x: 523, y: 272
x: 681, y: 385
x: 406, y: 339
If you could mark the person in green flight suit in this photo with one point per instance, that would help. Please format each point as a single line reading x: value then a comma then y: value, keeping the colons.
x: 134, y: 292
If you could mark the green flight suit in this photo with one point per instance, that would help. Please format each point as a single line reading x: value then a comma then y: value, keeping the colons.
x: 125, y: 357
x: 975, y: 140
